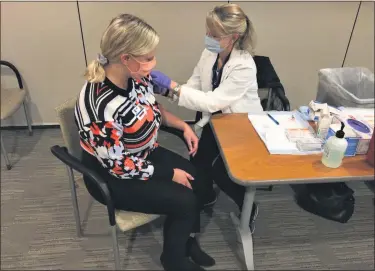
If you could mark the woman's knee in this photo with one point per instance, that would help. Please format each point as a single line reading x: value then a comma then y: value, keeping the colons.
x: 189, y: 168
x: 185, y: 203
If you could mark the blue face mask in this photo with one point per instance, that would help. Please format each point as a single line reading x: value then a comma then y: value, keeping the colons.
x: 213, y: 45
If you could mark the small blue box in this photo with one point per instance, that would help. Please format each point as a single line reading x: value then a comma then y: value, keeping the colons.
x: 350, y: 136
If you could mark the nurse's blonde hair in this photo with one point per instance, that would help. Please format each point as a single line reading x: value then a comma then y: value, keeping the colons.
x: 230, y: 19
x: 126, y: 34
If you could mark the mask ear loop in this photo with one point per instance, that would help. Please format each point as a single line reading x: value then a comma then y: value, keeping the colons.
x: 154, y: 58
x: 222, y: 37
x: 127, y: 66
x: 140, y: 65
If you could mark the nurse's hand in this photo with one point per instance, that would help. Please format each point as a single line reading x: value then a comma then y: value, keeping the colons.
x: 160, y: 91
x: 191, y: 140
x: 160, y: 79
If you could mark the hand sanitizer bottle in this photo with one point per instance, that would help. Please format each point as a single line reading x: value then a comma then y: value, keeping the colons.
x: 334, y: 149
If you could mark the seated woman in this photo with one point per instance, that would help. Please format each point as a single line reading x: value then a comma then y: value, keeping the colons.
x: 224, y: 81
x: 119, y: 120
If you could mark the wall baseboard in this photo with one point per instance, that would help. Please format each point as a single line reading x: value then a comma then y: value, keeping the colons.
x: 23, y: 127
x: 50, y: 126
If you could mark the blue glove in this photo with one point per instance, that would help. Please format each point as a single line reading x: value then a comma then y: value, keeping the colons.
x: 160, y: 79
x: 160, y: 91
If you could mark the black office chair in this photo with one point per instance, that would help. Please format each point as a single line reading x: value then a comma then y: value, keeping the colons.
x: 268, y: 79
x: 123, y: 220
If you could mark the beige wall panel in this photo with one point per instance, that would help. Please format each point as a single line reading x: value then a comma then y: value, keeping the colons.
x: 103, y: 1
x: 40, y: 1
x: 301, y: 1
x: 301, y: 38
x: 152, y: 1
x: 43, y: 41
x: 198, y: 0
x: 361, y: 50
x: 181, y: 27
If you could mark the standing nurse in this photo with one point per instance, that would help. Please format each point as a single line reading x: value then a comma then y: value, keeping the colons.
x: 224, y: 81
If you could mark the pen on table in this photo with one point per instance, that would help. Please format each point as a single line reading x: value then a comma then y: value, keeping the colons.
x: 272, y: 118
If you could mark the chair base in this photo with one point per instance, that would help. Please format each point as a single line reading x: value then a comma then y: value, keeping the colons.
x: 4, y: 152
x: 116, y: 250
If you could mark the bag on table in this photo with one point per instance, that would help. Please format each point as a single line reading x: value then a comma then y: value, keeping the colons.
x: 333, y: 201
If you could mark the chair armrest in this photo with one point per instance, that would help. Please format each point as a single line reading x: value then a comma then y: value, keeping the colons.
x: 14, y: 69
x: 273, y: 91
x: 273, y: 84
x: 62, y: 154
x: 175, y: 132
x: 284, y: 100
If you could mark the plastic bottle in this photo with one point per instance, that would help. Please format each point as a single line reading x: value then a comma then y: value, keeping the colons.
x: 334, y: 149
x: 324, y: 123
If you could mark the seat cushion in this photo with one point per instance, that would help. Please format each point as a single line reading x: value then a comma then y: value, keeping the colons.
x: 126, y: 220
x: 69, y: 130
x: 129, y: 220
x: 11, y: 100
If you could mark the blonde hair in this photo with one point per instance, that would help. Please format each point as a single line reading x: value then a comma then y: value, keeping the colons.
x: 230, y: 19
x: 126, y: 34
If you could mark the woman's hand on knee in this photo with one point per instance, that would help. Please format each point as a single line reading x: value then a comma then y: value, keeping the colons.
x: 182, y: 177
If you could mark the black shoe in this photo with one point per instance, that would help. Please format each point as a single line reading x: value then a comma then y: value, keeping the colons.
x: 184, y: 264
x: 198, y: 256
x: 211, y: 199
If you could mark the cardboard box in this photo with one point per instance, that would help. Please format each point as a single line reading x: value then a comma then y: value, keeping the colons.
x: 314, y: 110
x: 351, y: 137
x: 363, y: 144
x: 364, y: 137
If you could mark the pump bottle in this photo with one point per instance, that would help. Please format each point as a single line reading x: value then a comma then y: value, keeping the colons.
x: 334, y: 149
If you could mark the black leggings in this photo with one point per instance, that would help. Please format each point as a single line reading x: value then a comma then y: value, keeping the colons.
x: 180, y: 204
x: 208, y: 151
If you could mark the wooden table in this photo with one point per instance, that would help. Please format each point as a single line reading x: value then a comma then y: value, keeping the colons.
x: 249, y: 163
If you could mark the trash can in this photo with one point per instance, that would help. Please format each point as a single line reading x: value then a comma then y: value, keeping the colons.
x: 348, y: 87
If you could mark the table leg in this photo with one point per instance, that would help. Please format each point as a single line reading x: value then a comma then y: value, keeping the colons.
x: 243, y: 230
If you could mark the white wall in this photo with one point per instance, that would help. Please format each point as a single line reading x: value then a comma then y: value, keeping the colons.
x: 361, y: 49
x: 43, y: 39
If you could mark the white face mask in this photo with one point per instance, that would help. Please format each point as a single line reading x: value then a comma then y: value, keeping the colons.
x: 213, y: 45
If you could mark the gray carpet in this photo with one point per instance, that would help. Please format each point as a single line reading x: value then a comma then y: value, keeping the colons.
x: 37, y: 224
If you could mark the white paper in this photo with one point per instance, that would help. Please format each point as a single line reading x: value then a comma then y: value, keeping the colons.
x: 273, y: 135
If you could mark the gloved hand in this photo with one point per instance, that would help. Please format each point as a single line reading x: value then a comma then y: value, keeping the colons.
x: 160, y: 79
x: 160, y: 91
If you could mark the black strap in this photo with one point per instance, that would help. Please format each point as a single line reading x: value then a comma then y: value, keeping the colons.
x: 217, y: 73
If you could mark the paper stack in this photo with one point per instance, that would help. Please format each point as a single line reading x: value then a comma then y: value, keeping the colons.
x: 282, y: 138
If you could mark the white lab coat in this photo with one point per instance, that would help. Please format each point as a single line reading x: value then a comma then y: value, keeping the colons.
x: 237, y: 92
